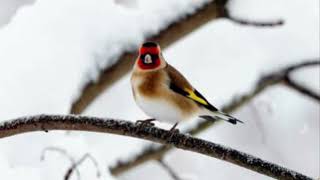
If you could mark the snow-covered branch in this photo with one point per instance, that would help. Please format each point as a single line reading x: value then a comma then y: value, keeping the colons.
x: 273, y: 78
x: 176, y: 30
x: 173, y: 32
x: 106, y: 125
x: 248, y: 22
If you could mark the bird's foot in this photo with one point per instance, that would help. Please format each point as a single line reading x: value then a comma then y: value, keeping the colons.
x: 172, y: 132
x: 144, y: 123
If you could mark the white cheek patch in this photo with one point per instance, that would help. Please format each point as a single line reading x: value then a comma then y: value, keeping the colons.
x: 147, y: 59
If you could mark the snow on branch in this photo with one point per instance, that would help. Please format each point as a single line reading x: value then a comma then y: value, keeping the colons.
x: 173, y: 32
x: 176, y: 30
x: 153, y: 153
x: 247, y: 22
x: 107, y: 125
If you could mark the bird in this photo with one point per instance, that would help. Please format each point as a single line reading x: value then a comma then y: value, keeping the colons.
x: 164, y: 94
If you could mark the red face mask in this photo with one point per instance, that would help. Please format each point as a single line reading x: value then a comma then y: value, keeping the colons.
x: 149, y: 58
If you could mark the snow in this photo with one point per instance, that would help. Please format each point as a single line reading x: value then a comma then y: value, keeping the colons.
x: 51, y: 48
x: 8, y: 8
x: 72, y: 41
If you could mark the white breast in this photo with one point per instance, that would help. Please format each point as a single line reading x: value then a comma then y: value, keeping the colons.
x: 158, y: 108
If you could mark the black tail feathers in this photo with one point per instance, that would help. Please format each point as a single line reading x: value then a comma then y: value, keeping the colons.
x: 225, y: 117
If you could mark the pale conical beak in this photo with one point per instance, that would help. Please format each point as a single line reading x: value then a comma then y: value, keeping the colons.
x: 147, y: 59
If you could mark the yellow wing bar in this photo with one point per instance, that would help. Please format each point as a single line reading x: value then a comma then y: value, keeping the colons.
x: 195, y: 97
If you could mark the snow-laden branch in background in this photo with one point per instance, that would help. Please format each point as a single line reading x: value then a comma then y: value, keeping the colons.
x: 232, y: 13
x: 248, y: 22
x: 175, y: 30
x: 47, y: 123
x: 281, y: 76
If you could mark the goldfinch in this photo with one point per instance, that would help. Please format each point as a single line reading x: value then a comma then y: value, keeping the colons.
x: 164, y: 94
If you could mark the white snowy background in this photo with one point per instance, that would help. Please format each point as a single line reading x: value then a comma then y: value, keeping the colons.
x: 48, y: 49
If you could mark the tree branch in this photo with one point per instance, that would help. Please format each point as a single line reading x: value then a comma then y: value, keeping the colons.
x: 155, y: 153
x: 121, y: 127
x: 173, y: 32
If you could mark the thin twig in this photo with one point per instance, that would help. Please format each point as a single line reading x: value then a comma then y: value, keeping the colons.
x: 151, y: 133
x: 170, y: 171
x: 289, y: 81
x: 284, y: 76
x: 301, y: 89
x: 247, y: 22
x: 66, y: 154
x: 151, y: 152
x: 79, y: 162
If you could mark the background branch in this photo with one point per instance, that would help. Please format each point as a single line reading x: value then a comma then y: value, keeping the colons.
x: 285, y: 76
x: 155, y: 153
x: 289, y: 81
x: 301, y: 89
x: 74, y: 164
x: 121, y: 127
x: 173, y: 32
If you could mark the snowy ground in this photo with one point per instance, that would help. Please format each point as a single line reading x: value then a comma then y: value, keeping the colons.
x: 49, y: 48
